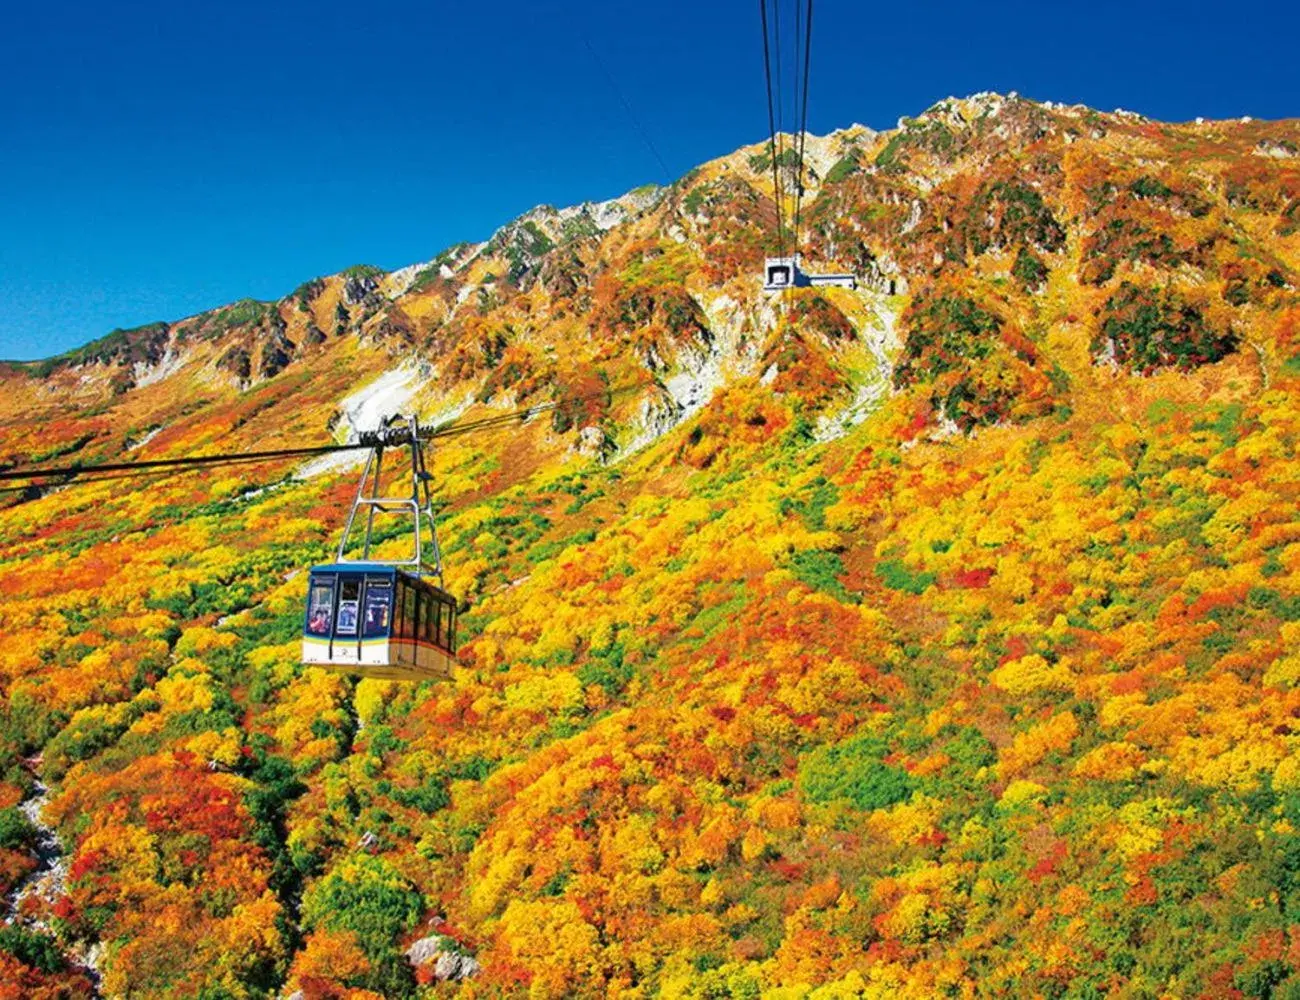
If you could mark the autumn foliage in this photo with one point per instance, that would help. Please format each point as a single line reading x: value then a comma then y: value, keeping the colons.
x: 940, y: 639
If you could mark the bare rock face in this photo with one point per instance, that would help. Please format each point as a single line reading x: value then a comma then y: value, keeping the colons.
x: 359, y: 287
x: 451, y: 966
x: 1278, y: 149
x: 391, y: 327
x: 237, y: 362
x: 594, y: 442
x: 277, y: 354
x: 438, y: 954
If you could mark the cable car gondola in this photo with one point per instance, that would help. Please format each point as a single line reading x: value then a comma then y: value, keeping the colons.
x: 378, y: 618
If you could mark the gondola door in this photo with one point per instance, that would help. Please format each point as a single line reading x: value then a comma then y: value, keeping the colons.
x: 346, y: 641
x: 377, y: 600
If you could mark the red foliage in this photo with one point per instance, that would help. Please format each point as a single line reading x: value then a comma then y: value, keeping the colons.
x: 973, y: 579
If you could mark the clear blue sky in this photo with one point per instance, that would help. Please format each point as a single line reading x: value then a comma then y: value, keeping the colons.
x: 159, y: 157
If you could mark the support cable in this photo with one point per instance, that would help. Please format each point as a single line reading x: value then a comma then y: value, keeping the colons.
x: 87, y: 473
x: 772, y: 133
x: 627, y: 107
x: 803, y: 123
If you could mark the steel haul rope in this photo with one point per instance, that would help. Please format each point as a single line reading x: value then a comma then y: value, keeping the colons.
x: 803, y: 123
x: 772, y: 133
x: 91, y: 473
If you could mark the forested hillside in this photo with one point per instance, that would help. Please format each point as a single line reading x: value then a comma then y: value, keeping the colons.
x: 935, y: 638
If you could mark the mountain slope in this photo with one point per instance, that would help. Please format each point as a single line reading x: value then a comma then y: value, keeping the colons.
x: 936, y: 637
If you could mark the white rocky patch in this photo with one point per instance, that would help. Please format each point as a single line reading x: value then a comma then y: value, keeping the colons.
x: 913, y: 217
x: 49, y: 881
x: 700, y: 372
x: 604, y: 215
x: 171, y: 363
x: 399, y: 281
x: 657, y: 417
x: 1275, y: 150
x: 882, y: 342
x: 440, y: 954
x: 365, y: 410
x: 149, y: 436
x: 448, y: 413
x: 698, y: 377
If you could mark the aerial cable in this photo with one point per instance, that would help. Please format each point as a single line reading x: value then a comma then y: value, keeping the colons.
x: 171, y: 463
x: 798, y: 48
x: 87, y: 479
x: 124, y: 470
x: 772, y: 132
x: 780, y: 109
x: 803, y: 124
x: 627, y: 107
x: 780, y: 88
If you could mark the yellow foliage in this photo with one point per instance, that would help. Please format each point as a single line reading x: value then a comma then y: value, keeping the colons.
x: 552, y: 938
x: 1028, y: 748
x: 1030, y: 674
x: 1118, y: 761
x: 370, y: 697
x: 1021, y: 792
x: 1286, y: 776
x: 559, y: 692
x: 200, y: 639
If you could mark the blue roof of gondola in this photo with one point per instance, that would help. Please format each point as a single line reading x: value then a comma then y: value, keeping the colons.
x: 355, y: 567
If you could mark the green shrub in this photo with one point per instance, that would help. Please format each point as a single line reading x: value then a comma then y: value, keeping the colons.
x: 843, y: 169
x: 1019, y: 217
x: 788, y: 158
x: 855, y: 771
x: 16, y: 833
x: 363, y: 271
x: 970, y: 748
x: 33, y: 948
x: 1145, y: 329
x: 896, y: 576
x: 133, y: 345
x: 1028, y: 270
x: 811, y: 505
x: 245, y: 312
x: 943, y: 331
x: 368, y: 896
x: 606, y: 668
x: 90, y: 731
x: 1127, y: 239
x: 821, y: 570
x: 429, y: 797
x: 1149, y: 187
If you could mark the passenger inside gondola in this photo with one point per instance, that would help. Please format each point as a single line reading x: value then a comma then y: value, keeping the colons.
x: 322, y: 598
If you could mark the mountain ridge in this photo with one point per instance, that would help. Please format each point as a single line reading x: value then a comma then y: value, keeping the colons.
x: 907, y: 239
x: 985, y: 101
